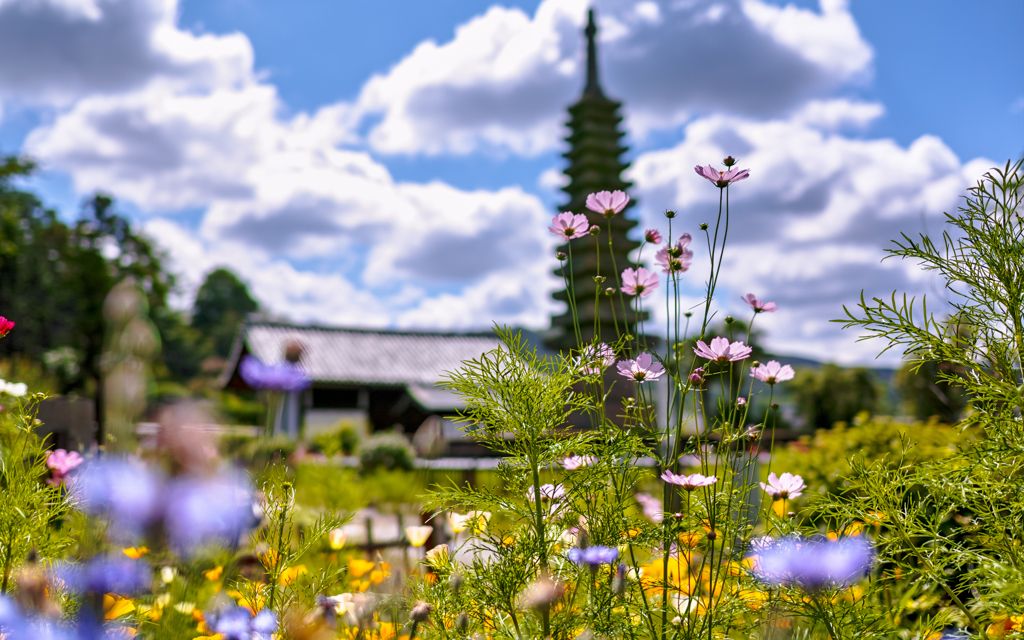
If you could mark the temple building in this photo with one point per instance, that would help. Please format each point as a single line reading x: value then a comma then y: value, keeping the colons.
x: 595, y: 164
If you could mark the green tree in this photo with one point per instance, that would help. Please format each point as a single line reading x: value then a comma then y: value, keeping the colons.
x: 221, y: 305
x: 834, y: 394
x: 927, y: 394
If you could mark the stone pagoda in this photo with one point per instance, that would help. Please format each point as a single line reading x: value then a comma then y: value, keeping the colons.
x: 595, y: 164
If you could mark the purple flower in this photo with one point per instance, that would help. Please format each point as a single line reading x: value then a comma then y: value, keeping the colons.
x: 607, y: 202
x: 812, y: 564
x: 123, y: 491
x: 653, y: 236
x: 688, y: 482
x: 639, y: 282
x: 572, y: 463
x: 203, y: 510
x: 773, y: 372
x: 721, y: 350
x: 119, y: 575
x: 594, y: 556
x: 237, y: 623
x: 641, y: 370
x: 651, y: 507
x: 281, y: 377
x: 784, y: 487
x: 676, y: 258
x: 759, y: 306
x: 597, y: 358
x: 569, y: 225
x: 722, y: 179
x: 697, y: 377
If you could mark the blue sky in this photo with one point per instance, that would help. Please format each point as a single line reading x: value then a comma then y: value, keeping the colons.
x: 395, y: 163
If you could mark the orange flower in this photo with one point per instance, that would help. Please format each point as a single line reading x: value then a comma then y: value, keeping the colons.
x: 135, y: 552
x: 289, y: 575
x: 690, y: 539
x: 214, y: 574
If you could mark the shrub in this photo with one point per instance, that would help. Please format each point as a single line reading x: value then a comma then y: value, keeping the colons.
x: 388, y: 452
x: 343, y: 440
x: 263, y: 451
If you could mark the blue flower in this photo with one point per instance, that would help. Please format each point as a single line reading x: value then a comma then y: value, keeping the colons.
x: 236, y: 623
x: 122, y: 576
x: 813, y: 563
x: 594, y: 556
x: 282, y: 377
x: 203, y: 510
x: 123, y: 491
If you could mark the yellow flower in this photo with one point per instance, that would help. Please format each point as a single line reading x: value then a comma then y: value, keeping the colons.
x: 418, y: 535
x: 480, y: 520
x: 214, y: 574
x: 135, y: 552
x: 458, y: 522
x: 114, y: 606
x: 289, y: 575
x: 337, y: 538
x: 357, y: 567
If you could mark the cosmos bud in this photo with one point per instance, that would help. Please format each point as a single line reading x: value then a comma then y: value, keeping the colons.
x: 729, y: 161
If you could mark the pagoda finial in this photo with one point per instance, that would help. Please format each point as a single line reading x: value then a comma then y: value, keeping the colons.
x: 593, y: 85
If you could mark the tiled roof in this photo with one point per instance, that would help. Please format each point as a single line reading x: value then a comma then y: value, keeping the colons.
x: 364, y: 356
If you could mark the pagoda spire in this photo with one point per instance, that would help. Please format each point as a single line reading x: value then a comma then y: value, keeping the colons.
x: 595, y: 164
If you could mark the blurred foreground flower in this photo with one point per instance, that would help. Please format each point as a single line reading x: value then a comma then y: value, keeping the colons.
x: 572, y: 463
x: 121, y: 576
x: 5, y: 326
x: 547, y: 492
x: 543, y: 592
x: 812, y: 564
x: 16, y: 389
x: 651, y: 507
x: 281, y: 377
x: 238, y: 623
x: 418, y: 536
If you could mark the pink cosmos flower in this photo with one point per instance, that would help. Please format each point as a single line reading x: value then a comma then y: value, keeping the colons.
x: 773, y: 372
x: 639, y: 282
x: 677, y: 258
x: 597, y: 359
x: 62, y: 463
x: 607, y: 202
x: 742, y: 402
x: 651, y: 507
x: 569, y: 225
x: 758, y: 306
x: 653, y: 236
x: 722, y: 179
x: 722, y: 351
x: 689, y: 482
x: 548, y: 492
x: 641, y: 370
x: 573, y: 463
x: 784, y: 487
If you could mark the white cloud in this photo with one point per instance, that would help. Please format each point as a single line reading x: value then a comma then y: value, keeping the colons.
x: 810, y: 227
x: 56, y: 51
x: 503, y: 81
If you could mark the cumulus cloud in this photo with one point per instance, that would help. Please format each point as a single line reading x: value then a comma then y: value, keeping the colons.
x: 810, y: 227
x: 61, y: 50
x: 504, y: 80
